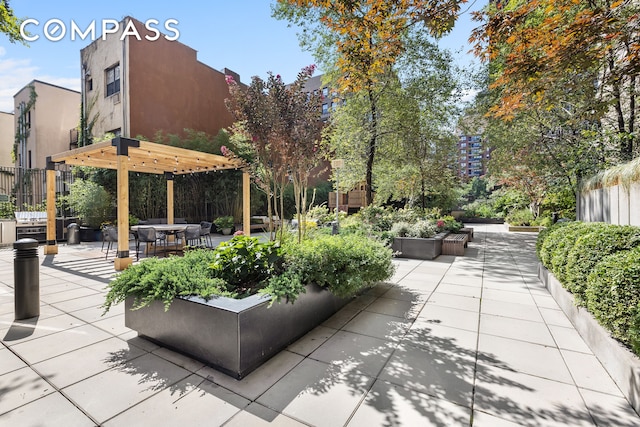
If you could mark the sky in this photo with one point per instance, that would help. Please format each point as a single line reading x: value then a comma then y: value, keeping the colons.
x: 240, y: 35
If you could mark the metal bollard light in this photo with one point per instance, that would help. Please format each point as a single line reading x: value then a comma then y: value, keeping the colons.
x: 26, y: 273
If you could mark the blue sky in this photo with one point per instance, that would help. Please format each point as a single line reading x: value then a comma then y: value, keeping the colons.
x: 239, y: 35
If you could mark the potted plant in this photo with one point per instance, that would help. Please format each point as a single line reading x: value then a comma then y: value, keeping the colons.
x: 254, y: 298
x: 224, y: 224
x: 93, y: 206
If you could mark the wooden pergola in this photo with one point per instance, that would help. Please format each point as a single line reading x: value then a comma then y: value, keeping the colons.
x: 125, y: 155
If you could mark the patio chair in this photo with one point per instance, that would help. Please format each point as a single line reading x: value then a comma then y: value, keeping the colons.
x: 191, y: 235
x: 205, y: 233
x: 110, y: 236
x: 149, y: 235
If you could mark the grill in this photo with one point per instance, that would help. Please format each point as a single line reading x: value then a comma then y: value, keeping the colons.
x: 31, y: 225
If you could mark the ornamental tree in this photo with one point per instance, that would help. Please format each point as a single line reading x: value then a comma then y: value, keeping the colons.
x: 281, y: 129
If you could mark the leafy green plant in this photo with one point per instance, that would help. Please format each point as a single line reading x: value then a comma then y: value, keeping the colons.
x: 542, y: 236
x: 244, y: 263
x: 423, y: 229
x: 401, y: 229
x: 90, y: 201
x: 165, y: 279
x: 224, y: 222
x: 242, y: 266
x: 520, y: 217
x: 286, y: 286
x: 590, y: 248
x: 613, y: 295
x: 565, y: 244
x: 345, y: 264
x: 448, y: 223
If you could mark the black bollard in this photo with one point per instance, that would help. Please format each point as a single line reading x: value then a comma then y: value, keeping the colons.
x: 26, y: 275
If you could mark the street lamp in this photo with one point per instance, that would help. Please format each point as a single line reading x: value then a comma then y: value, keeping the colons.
x: 337, y: 164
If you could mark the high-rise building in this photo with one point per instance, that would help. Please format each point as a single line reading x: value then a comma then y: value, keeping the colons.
x: 472, y: 156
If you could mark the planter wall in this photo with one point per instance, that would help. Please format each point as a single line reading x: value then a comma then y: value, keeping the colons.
x: 620, y: 362
x: 473, y: 220
x: 233, y: 336
x: 525, y: 228
x: 418, y: 248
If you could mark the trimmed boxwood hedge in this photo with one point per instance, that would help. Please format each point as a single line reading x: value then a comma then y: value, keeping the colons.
x: 589, y: 249
x: 557, y: 244
x: 600, y: 264
x: 613, y: 295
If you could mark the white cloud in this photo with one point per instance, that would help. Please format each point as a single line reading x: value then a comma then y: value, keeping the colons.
x: 16, y: 74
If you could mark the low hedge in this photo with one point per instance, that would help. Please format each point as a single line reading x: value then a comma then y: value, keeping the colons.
x: 557, y: 243
x: 600, y: 264
x: 613, y: 295
x: 599, y: 241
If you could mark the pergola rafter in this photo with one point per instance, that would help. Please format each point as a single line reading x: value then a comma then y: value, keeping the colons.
x: 125, y: 155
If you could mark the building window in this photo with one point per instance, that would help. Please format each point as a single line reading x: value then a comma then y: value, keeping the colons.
x: 113, y: 80
x: 29, y: 159
x: 325, y: 91
x: 325, y: 109
x: 28, y: 120
x: 89, y: 85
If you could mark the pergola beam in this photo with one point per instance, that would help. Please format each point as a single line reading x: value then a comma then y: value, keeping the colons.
x: 130, y: 155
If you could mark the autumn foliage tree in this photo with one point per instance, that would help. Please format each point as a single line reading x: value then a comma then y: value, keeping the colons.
x: 282, y: 130
x: 368, y: 36
x: 580, y: 56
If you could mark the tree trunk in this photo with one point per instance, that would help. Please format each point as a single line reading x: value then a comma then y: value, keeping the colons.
x: 371, y: 149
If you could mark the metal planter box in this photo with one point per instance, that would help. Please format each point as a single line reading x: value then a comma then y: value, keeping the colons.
x: 418, y: 248
x: 233, y: 336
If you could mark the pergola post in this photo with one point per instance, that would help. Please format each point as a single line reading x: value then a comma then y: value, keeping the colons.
x: 246, y: 203
x: 169, y: 176
x: 51, y: 247
x: 123, y: 260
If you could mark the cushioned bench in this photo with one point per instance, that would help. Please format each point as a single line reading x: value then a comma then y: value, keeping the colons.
x: 454, y: 244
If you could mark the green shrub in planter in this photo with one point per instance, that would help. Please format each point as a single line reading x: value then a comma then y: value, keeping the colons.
x: 401, y: 229
x: 542, y: 236
x: 557, y: 241
x: 520, y: 217
x: 613, y: 295
x: 345, y: 264
x: 590, y: 248
x: 565, y: 245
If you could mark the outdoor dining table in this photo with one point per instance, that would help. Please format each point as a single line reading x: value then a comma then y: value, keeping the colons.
x: 169, y: 229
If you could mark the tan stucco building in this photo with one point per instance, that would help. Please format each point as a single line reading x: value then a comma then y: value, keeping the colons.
x: 47, y: 122
x: 7, y: 135
x: 136, y: 88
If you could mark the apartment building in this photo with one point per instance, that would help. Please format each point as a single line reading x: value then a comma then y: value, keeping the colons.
x: 7, y: 137
x: 45, y: 116
x: 137, y: 87
x: 473, y: 156
x: 330, y: 98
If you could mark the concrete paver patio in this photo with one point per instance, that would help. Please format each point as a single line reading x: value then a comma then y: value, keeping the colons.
x: 457, y: 341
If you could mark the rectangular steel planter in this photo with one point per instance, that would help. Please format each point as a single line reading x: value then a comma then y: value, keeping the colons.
x: 231, y: 335
x: 418, y: 248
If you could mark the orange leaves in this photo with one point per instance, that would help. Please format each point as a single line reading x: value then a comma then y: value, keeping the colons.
x: 536, y: 45
x: 370, y: 32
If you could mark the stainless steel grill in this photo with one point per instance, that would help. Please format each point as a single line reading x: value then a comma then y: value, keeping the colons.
x: 31, y: 225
